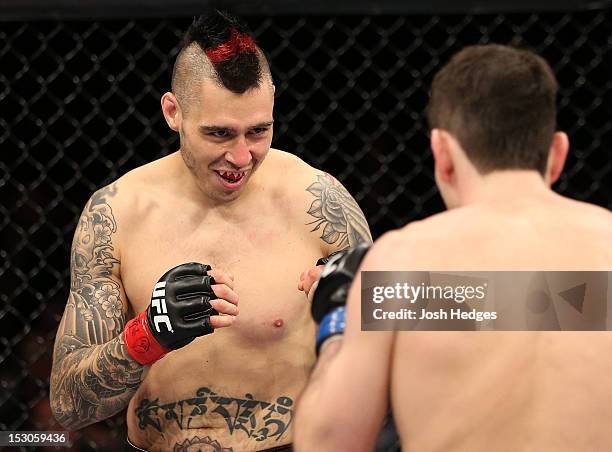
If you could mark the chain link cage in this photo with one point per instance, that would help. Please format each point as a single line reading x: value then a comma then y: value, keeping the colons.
x: 80, y: 107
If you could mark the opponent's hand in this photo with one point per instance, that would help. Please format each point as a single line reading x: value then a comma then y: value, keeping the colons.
x: 335, y: 280
x: 330, y: 291
x: 187, y: 302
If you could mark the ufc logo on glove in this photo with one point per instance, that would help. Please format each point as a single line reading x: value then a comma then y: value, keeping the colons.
x: 158, y: 301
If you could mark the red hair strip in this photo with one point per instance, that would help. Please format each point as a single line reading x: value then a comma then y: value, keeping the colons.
x: 237, y: 43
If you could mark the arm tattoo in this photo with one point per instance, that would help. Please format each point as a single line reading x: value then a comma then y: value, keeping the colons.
x: 336, y: 210
x: 92, y: 377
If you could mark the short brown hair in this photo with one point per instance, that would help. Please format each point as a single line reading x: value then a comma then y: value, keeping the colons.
x: 499, y: 102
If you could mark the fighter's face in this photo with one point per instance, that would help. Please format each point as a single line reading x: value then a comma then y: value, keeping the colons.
x: 225, y: 137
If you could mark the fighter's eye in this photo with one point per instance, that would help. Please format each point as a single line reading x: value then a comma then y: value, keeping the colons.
x: 219, y: 133
x: 259, y: 130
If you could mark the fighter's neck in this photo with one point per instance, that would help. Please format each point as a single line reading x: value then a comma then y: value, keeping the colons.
x: 505, y: 185
x: 190, y: 188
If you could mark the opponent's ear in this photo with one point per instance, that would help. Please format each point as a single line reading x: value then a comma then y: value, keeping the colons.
x: 556, y: 157
x: 440, y: 147
x: 171, y: 111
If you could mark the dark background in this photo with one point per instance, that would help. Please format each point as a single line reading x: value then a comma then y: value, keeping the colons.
x: 80, y: 83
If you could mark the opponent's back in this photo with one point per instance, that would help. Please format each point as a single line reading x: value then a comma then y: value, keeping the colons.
x: 534, y: 231
x: 468, y: 391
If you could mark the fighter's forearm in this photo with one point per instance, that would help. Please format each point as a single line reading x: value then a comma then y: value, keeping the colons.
x: 89, y: 384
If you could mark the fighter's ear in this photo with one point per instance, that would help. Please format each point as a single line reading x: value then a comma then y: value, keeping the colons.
x: 171, y: 110
x: 556, y: 157
x: 440, y: 147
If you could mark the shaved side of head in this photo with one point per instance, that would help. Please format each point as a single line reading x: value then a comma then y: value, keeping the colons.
x: 220, y: 49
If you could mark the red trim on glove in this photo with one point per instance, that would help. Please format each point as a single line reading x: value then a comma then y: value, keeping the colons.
x: 140, y: 342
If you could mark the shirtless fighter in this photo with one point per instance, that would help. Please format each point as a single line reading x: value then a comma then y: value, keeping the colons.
x: 144, y: 248
x: 492, y: 113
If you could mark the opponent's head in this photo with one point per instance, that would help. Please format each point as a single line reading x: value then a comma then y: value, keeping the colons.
x: 492, y: 108
x: 221, y: 104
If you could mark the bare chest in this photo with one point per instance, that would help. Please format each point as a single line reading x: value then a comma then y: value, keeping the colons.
x: 263, y: 358
x: 265, y: 256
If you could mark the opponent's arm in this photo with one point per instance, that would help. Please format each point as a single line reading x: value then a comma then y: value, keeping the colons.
x: 347, y: 396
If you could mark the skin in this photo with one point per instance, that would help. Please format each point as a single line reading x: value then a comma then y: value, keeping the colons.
x: 470, y: 391
x: 236, y: 388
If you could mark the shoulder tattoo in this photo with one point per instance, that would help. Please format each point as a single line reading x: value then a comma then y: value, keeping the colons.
x: 335, y: 210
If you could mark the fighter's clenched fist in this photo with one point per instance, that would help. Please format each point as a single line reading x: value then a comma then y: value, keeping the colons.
x: 188, y: 301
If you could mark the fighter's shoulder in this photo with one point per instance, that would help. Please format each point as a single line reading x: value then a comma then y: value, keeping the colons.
x: 148, y: 175
x: 127, y: 193
x: 292, y: 174
x: 289, y: 164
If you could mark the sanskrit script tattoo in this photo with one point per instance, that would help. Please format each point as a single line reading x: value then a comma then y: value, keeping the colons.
x: 92, y: 376
x: 256, y: 419
x: 335, y: 209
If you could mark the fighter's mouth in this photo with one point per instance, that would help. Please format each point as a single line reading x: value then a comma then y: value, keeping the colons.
x: 231, y: 176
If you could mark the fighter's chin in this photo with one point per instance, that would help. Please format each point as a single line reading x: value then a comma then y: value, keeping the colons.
x: 224, y: 196
x: 223, y: 192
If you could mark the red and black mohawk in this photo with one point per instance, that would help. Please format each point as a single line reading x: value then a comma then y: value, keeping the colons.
x: 230, y: 48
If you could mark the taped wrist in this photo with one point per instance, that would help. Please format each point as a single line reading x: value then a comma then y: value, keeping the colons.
x: 332, y: 323
x: 140, y: 342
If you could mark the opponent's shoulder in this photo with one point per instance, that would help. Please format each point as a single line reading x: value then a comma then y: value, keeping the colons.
x: 588, y: 222
x: 594, y: 215
x: 436, y: 227
x: 384, y: 252
x: 418, y: 244
x: 394, y: 250
x: 594, y: 224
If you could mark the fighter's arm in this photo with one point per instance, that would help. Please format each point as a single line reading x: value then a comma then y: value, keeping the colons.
x: 99, y: 357
x: 335, y: 216
x: 347, y: 397
x: 93, y: 377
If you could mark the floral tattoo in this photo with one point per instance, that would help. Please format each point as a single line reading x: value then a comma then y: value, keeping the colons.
x: 338, y: 213
x: 92, y: 376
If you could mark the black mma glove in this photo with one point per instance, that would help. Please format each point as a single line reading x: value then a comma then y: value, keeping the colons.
x: 332, y: 289
x: 179, y: 312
